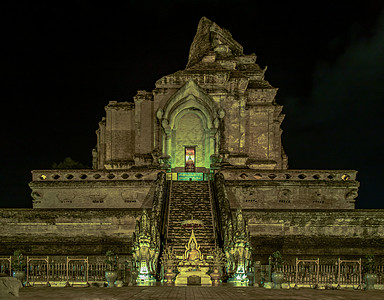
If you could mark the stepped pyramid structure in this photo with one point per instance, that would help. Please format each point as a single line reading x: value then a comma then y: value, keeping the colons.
x: 204, y: 144
x: 218, y: 115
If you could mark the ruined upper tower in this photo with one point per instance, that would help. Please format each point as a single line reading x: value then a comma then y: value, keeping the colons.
x: 210, y: 37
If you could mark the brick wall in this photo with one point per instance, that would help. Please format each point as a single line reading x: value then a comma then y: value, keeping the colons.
x: 317, y: 233
x: 67, y: 231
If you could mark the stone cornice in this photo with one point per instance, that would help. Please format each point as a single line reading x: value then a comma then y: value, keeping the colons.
x: 114, y: 105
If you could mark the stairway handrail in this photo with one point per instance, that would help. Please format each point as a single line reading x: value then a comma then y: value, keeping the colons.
x: 213, y: 217
x: 168, y: 210
x: 164, y: 208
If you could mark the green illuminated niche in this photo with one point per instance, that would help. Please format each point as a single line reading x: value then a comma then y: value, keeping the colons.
x: 189, y: 132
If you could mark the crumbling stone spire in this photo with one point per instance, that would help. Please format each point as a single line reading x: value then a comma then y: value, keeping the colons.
x: 210, y: 37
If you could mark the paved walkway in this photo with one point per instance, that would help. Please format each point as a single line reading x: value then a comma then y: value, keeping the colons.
x: 191, y: 292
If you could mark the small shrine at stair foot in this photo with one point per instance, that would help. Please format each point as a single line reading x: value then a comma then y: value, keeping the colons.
x: 193, y: 268
x: 203, y: 148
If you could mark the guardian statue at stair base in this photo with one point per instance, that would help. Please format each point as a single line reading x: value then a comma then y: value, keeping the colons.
x: 146, y: 248
x: 237, y: 248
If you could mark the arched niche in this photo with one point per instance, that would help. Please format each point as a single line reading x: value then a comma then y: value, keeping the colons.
x: 188, y: 121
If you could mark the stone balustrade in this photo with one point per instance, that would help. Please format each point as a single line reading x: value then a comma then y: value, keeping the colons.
x: 243, y: 174
x: 290, y: 175
x: 92, y: 175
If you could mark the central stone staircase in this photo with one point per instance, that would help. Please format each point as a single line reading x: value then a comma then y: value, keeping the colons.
x: 190, y: 200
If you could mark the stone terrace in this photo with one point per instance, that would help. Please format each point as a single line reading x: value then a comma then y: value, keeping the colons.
x: 291, y: 189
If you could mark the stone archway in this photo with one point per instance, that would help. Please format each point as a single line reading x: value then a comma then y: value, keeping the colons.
x: 189, y: 119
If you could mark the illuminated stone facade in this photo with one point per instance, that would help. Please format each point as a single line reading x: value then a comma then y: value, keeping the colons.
x: 217, y: 119
x: 221, y: 109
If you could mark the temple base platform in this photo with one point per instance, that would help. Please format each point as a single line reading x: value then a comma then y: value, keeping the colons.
x: 189, y: 276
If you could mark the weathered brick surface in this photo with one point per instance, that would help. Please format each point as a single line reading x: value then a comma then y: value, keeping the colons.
x: 66, y: 231
x: 291, y: 189
x: 317, y: 233
x: 297, y: 233
x: 93, y: 188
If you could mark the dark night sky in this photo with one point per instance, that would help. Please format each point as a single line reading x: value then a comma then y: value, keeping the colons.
x: 65, y: 60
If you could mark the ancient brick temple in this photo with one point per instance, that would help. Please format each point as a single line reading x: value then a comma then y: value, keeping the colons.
x: 219, y: 115
x: 204, y: 144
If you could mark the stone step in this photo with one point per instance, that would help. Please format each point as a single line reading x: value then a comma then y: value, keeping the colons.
x: 189, y: 188
x: 205, y: 250
x: 187, y: 232
x: 200, y: 242
x: 202, y: 237
x: 184, y: 198
x: 195, y: 213
x: 180, y: 198
x: 183, y: 233
x: 190, y: 209
x: 178, y: 227
x: 208, y: 228
x: 188, y: 191
x: 187, y: 207
x: 196, y: 196
x: 184, y: 201
x: 202, y: 245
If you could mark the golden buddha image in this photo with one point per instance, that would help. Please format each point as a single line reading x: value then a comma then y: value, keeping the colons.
x: 193, y: 253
